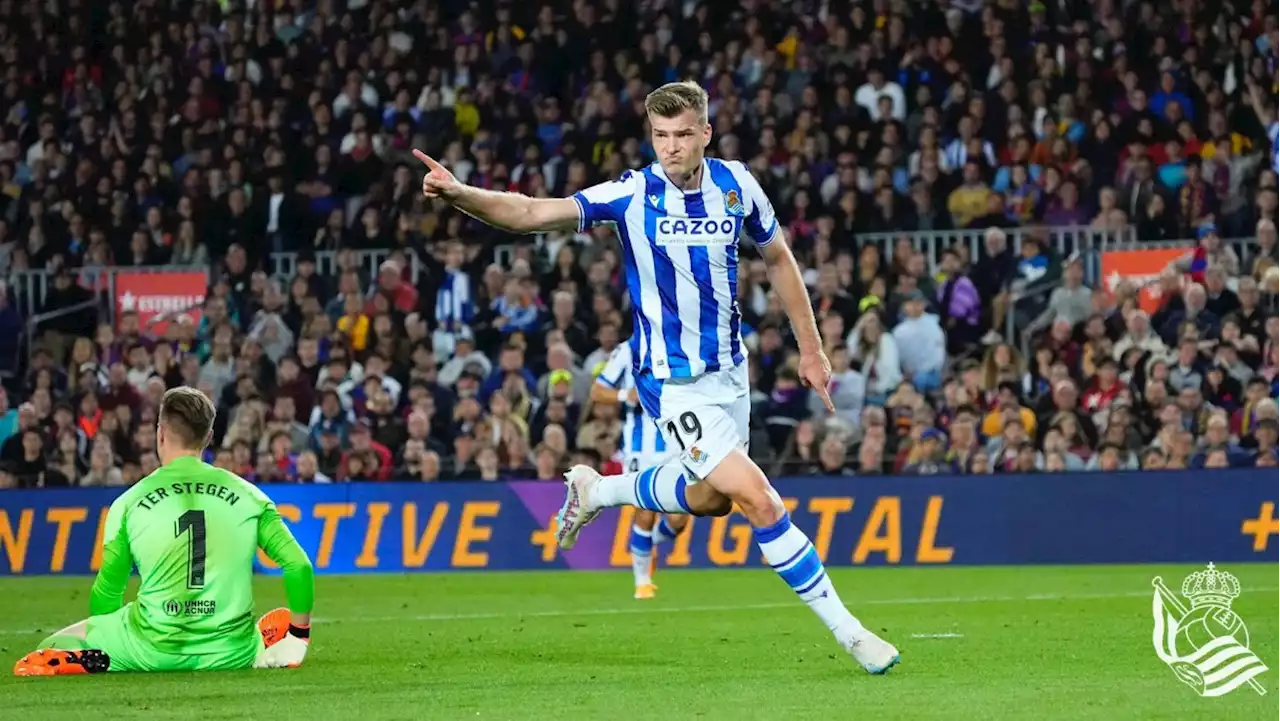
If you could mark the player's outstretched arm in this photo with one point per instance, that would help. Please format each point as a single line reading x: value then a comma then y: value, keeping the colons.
x: 784, y: 273
x: 107, y: 594
x: 512, y: 212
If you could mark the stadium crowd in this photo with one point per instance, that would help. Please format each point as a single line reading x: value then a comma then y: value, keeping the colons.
x: 216, y: 134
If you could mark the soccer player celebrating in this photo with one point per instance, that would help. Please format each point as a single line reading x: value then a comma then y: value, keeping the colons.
x: 643, y: 447
x: 679, y: 221
x: 192, y: 530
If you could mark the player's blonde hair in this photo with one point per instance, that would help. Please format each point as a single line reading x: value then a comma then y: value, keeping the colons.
x: 672, y: 99
x: 189, y: 415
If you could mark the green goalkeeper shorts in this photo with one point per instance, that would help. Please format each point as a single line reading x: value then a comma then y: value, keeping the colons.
x: 131, y: 651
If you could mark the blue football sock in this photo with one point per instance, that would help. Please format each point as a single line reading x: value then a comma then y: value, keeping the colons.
x: 790, y: 553
x: 663, y: 532
x: 660, y: 488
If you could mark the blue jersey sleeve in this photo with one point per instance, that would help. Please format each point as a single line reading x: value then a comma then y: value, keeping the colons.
x: 761, y: 225
x: 604, y: 203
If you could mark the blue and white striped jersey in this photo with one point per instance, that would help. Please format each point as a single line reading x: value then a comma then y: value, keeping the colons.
x: 680, y: 253
x: 454, y: 303
x: 642, y: 442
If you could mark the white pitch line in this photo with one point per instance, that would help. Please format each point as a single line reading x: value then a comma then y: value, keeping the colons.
x: 648, y: 608
x: 937, y: 635
x: 652, y: 608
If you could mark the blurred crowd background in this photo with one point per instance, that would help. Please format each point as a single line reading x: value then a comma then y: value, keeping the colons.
x: 221, y: 194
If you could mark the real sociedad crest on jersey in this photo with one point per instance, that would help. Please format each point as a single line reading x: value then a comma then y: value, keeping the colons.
x: 733, y: 204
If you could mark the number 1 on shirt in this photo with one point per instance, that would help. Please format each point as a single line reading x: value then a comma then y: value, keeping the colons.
x: 194, y: 521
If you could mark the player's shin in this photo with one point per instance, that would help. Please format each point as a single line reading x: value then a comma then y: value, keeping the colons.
x: 661, y: 488
x: 791, y: 554
x: 641, y: 555
x: 664, y: 530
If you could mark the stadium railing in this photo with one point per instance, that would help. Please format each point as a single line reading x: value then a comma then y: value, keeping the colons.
x: 1040, y: 290
x: 1063, y: 239
x: 33, y: 322
x: 284, y: 265
x: 1141, y: 261
x: 30, y: 287
x: 11, y: 358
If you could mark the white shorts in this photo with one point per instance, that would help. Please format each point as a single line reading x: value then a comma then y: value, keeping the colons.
x: 704, y: 418
x: 634, y: 462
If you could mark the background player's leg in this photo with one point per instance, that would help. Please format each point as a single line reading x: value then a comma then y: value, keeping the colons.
x: 642, y: 552
x: 665, y: 529
x: 668, y: 527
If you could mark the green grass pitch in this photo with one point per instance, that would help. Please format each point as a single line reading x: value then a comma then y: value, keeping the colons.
x: 977, y: 643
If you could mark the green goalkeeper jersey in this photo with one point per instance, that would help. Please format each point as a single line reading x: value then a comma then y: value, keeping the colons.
x: 193, y: 531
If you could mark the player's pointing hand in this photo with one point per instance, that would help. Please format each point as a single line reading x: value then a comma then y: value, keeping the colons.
x: 438, y: 182
x: 815, y: 372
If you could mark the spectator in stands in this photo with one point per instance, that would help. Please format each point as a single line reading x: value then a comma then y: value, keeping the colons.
x: 1193, y: 314
x: 9, y: 418
x: 959, y: 303
x: 848, y: 389
x: 922, y: 344
x: 969, y: 200
x: 875, y: 353
x: 102, y: 469
x: 1138, y: 335
x: 1072, y: 302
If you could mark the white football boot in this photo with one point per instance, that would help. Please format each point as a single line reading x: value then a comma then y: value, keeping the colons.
x: 579, y: 505
x: 873, y: 653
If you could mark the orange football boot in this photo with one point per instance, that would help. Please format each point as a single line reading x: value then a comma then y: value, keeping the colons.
x: 274, y: 625
x: 648, y: 590
x: 55, y: 662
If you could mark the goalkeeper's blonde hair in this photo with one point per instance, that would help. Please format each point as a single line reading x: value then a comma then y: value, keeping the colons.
x: 672, y: 99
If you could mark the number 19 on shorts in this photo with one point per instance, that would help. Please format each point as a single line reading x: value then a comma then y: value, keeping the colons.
x: 687, y: 432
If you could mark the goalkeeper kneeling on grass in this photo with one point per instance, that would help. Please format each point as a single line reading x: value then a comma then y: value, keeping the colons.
x: 193, y: 531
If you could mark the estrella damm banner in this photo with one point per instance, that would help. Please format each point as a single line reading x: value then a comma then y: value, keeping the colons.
x: 1173, y: 516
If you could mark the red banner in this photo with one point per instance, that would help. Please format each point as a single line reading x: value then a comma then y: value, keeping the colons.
x: 158, y: 298
x: 1140, y: 267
